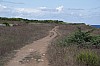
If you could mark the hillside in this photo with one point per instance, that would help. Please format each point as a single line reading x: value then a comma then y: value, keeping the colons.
x: 58, y: 42
x: 62, y: 52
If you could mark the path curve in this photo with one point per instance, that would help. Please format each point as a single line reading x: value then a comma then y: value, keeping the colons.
x: 34, y: 54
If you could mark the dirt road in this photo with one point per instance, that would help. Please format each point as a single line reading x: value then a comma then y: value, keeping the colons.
x: 34, y: 54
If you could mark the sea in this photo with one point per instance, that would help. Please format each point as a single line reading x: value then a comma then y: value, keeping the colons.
x: 96, y: 26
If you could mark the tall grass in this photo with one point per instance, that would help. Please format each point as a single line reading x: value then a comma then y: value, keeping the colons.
x: 88, y: 58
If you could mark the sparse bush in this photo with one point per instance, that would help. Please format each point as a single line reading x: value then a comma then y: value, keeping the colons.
x: 88, y: 59
x: 7, y: 24
x: 27, y: 22
x: 62, y: 43
x: 32, y: 21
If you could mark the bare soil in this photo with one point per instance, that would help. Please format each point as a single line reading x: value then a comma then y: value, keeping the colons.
x: 34, y: 54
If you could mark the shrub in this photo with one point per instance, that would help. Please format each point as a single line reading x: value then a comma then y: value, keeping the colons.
x: 80, y: 36
x: 83, y: 39
x: 88, y: 59
x: 7, y: 24
x: 95, y: 41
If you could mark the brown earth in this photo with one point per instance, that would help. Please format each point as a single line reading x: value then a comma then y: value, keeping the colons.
x: 34, y: 54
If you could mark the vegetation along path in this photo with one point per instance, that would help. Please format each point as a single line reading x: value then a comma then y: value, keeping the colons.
x: 34, y: 54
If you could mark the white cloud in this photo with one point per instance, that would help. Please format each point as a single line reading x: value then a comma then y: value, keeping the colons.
x: 60, y: 12
x: 42, y: 7
x: 60, y: 8
x: 27, y: 10
x: 1, y: 6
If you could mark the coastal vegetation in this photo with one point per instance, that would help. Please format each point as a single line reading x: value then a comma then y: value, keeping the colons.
x: 77, y: 44
x: 32, y: 21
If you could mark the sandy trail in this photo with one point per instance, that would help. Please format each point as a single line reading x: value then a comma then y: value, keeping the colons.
x: 34, y: 54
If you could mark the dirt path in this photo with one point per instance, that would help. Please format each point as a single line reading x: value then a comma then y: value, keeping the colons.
x: 34, y: 54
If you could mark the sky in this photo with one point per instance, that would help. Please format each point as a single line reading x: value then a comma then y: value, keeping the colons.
x: 78, y: 11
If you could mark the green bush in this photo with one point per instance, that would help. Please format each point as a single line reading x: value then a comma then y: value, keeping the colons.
x: 62, y: 43
x: 88, y: 59
x: 95, y: 41
x: 83, y: 39
x: 80, y: 36
x: 7, y: 24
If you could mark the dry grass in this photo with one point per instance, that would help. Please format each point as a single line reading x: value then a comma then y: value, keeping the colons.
x: 66, y: 56
x: 13, y: 38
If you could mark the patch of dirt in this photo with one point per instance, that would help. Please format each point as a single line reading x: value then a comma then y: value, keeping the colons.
x: 34, y: 54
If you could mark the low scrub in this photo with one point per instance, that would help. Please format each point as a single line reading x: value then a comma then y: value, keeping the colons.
x: 6, y: 24
x: 68, y: 49
x: 88, y: 59
x: 83, y: 39
x: 95, y: 41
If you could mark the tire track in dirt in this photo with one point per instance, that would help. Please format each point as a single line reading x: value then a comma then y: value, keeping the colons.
x: 34, y: 54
